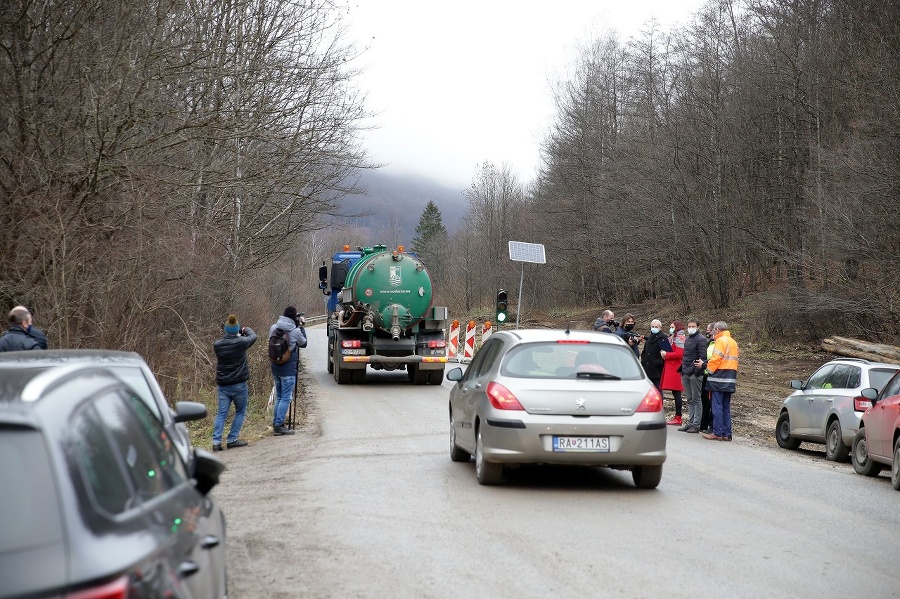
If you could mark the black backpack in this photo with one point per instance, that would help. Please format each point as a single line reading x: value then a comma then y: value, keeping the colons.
x: 279, y: 348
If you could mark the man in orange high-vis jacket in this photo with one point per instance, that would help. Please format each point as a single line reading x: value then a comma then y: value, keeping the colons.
x: 721, y: 381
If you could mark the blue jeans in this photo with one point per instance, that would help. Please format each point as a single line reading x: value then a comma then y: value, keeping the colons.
x: 239, y: 394
x: 721, y: 413
x: 284, y: 393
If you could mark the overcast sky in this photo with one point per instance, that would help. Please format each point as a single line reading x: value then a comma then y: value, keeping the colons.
x: 455, y: 84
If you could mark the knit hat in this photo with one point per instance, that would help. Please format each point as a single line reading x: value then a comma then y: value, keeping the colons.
x: 232, y: 325
x: 291, y: 312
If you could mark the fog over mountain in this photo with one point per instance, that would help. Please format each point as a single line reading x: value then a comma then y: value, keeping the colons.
x: 393, y: 202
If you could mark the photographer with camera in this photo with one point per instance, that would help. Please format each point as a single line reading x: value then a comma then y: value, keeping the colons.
x: 232, y: 374
x: 626, y: 332
x: 289, y: 327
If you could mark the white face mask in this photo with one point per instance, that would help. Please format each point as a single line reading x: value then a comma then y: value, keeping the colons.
x: 691, y: 330
x: 654, y: 330
x: 671, y: 330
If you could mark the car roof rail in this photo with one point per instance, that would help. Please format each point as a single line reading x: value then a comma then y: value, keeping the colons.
x: 863, y: 360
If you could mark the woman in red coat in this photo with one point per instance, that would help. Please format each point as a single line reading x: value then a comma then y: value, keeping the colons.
x: 671, y: 374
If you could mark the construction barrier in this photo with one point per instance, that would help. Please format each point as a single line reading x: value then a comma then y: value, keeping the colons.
x: 469, y: 346
x: 486, y: 330
x: 453, y: 341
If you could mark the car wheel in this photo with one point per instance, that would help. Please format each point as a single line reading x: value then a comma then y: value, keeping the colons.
x: 487, y: 473
x: 895, y: 466
x: 859, y: 454
x: 646, y: 477
x: 783, y: 432
x: 835, y: 450
x: 456, y: 454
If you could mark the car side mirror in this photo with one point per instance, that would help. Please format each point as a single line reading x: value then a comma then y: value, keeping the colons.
x: 870, y: 394
x: 795, y: 384
x: 207, y: 469
x: 455, y: 374
x: 187, y: 411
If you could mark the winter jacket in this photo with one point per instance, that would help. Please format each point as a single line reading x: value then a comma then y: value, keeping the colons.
x: 602, y: 326
x: 694, y: 349
x: 17, y: 339
x: 650, y: 358
x: 723, y: 365
x: 231, y: 352
x: 671, y: 377
x: 296, y: 339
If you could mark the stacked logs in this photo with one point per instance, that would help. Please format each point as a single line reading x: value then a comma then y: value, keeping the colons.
x: 856, y: 348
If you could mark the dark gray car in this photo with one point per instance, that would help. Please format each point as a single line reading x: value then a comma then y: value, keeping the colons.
x: 97, y: 499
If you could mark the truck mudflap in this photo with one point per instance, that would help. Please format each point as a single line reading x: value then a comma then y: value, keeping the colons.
x: 395, y: 359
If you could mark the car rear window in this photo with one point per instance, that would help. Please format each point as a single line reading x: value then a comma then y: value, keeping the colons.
x: 30, y: 513
x: 878, y: 377
x: 564, y: 360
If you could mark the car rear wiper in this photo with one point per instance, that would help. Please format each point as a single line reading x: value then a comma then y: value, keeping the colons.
x: 597, y: 375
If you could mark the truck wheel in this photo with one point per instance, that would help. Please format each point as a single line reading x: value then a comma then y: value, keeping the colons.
x: 421, y: 377
x: 436, y: 377
x: 358, y: 376
x: 330, y: 355
x: 341, y: 375
x: 411, y: 372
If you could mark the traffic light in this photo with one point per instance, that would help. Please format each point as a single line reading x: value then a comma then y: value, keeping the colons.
x: 502, y: 306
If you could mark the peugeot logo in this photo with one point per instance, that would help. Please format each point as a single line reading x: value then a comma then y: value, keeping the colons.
x: 579, y: 403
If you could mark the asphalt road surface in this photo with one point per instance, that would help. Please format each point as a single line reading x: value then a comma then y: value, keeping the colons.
x: 365, y: 502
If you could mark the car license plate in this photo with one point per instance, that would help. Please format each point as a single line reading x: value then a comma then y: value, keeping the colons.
x: 353, y: 352
x: 580, y: 443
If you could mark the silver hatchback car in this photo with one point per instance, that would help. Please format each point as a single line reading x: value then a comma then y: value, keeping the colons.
x: 556, y: 397
x: 827, y: 407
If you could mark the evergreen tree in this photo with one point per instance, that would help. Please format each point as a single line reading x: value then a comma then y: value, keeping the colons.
x: 431, y: 240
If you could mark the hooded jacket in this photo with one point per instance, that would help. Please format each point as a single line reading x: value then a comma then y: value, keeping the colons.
x: 231, y: 352
x: 296, y: 339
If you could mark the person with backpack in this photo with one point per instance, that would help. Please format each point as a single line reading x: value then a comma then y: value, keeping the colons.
x: 286, y: 337
x: 232, y: 374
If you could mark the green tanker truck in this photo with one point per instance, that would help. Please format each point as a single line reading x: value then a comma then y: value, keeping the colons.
x: 380, y: 315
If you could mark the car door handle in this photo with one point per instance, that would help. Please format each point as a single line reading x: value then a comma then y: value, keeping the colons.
x: 210, y: 541
x: 188, y: 568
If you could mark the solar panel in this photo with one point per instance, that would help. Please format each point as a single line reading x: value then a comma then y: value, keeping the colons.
x: 527, y: 252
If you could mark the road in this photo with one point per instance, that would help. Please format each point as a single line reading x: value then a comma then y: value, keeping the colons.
x: 365, y: 502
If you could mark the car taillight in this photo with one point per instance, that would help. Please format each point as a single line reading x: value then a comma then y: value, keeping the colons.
x: 652, y: 402
x: 117, y: 589
x: 437, y: 343
x: 861, y: 404
x: 501, y: 398
x: 351, y: 344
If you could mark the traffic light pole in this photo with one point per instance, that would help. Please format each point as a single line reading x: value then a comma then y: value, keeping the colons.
x: 519, y: 304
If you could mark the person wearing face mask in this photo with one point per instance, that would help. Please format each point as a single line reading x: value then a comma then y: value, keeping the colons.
x: 695, y: 344
x: 606, y: 323
x: 671, y: 376
x: 651, y: 358
x: 22, y: 334
x: 626, y: 332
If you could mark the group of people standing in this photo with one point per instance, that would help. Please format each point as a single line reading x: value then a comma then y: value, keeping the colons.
x: 233, y: 372
x: 700, y: 365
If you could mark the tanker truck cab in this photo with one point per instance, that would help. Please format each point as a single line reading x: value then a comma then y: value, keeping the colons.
x: 380, y: 314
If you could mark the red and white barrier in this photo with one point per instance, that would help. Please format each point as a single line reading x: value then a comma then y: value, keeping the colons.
x: 486, y: 330
x: 453, y: 341
x: 469, y: 346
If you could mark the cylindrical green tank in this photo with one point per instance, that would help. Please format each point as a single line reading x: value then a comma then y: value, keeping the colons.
x: 394, y: 286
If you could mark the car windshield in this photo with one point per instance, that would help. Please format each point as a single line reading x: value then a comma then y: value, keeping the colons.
x: 30, y: 514
x: 572, y: 360
x: 878, y: 377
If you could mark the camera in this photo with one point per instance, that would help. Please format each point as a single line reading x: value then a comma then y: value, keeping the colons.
x: 634, y: 338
